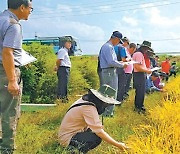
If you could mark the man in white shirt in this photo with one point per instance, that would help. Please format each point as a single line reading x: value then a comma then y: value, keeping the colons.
x: 63, y: 64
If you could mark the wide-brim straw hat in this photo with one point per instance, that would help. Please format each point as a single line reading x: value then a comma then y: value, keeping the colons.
x: 106, y: 94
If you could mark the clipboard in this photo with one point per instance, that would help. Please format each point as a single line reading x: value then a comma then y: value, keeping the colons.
x: 155, y: 69
x: 129, y: 62
x: 26, y: 58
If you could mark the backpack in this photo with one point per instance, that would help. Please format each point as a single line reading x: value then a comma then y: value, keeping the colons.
x: 80, y: 104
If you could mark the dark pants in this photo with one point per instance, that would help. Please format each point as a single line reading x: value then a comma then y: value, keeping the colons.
x: 85, y: 141
x: 121, y: 84
x: 139, y: 80
x: 127, y: 82
x: 63, y: 78
x: 167, y: 77
x: 173, y: 73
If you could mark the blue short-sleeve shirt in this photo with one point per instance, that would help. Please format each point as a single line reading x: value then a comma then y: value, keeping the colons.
x: 120, y: 51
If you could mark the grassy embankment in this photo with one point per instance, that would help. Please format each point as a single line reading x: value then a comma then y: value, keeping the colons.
x: 157, y: 132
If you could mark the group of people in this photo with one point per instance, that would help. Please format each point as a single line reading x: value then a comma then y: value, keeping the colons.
x: 169, y: 68
x: 81, y: 127
x: 118, y: 61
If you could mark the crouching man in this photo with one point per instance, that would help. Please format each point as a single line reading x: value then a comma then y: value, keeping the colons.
x: 81, y: 127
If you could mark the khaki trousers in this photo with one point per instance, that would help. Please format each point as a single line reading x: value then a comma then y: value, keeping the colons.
x: 9, y: 111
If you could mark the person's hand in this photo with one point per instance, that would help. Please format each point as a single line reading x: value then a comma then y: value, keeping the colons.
x: 125, y: 65
x: 148, y: 71
x: 163, y: 90
x: 13, y: 88
x: 55, y: 68
x: 123, y: 146
x: 128, y: 59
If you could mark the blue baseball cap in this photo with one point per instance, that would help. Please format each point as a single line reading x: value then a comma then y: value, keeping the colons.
x: 118, y: 35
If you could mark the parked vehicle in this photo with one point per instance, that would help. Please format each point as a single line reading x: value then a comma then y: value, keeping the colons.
x: 56, y: 42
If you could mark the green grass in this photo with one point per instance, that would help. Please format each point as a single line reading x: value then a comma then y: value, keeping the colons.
x: 37, y: 131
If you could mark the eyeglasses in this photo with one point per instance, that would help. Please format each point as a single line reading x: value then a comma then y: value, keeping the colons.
x: 31, y: 9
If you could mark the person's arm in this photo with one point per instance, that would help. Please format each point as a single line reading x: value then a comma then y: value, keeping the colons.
x: 8, y: 64
x: 111, y: 58
x: 140, y: 68
x: 91, y: 117
x: 154, y: 88
x: 60, y: 57
x: 124, y: 59
x: 112, y: 62
x: 105, y: 136
x: 58, y: 62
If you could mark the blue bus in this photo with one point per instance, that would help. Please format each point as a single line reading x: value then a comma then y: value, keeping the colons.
x: 56, y: 42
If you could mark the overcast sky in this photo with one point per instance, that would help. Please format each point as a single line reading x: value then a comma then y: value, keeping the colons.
x: 93, y: 21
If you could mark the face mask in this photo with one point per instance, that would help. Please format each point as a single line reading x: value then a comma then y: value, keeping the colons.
x: 100, y: 110
x: 100, y: 107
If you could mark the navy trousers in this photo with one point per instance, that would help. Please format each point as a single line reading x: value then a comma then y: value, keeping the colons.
x: 139, y: 80
x: 63, y: 78
x: 121, y: 84
x: 127, y: 82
